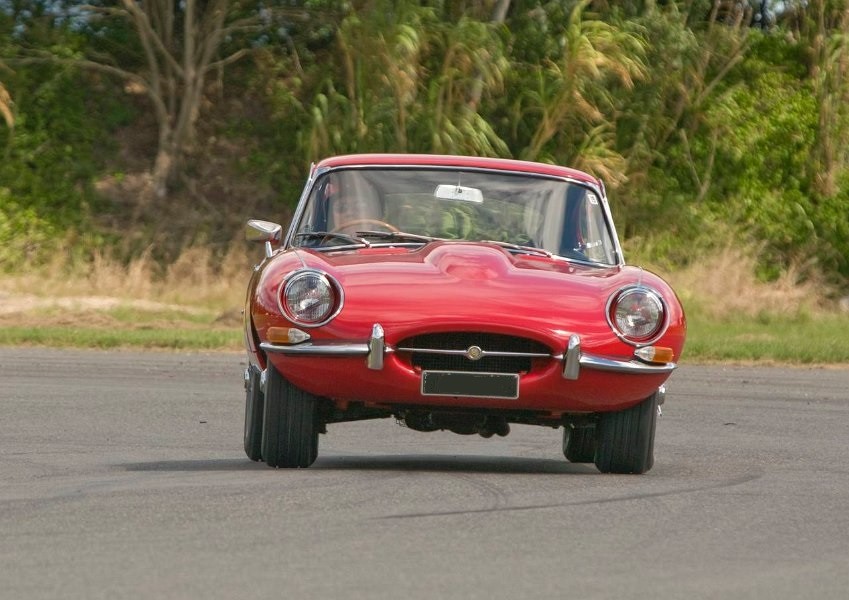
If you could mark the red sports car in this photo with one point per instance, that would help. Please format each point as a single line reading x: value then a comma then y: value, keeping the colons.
x: 455, y: 293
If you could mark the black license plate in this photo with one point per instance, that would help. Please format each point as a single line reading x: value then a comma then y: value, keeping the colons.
x: 476, y: 385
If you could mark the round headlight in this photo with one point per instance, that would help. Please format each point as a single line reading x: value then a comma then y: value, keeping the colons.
x: 309, y: 298
x: 637, y: 314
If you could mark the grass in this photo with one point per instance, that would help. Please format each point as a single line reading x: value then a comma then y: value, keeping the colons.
x: 734, y: 317
x: 195, y: 304
x: 816, y: 340
x: 93, y: 337
x: 87, y: 324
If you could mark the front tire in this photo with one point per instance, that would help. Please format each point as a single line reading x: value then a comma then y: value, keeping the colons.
x: 626, y: 438
x: 290, y: 423
x: 254, y: 401
x: 579, y: 444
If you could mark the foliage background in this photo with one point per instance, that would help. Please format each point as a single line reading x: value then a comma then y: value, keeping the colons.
x: 711, y: 122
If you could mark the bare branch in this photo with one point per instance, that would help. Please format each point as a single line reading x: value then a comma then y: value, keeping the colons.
x: 732, y: 62
x: 110, y: 11
x: 229, y: 59
x: 147, y: 34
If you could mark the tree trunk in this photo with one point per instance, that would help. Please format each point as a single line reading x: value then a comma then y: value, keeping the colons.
x: 6, y: 107
x: 499, y: 14
x: 164, y: 169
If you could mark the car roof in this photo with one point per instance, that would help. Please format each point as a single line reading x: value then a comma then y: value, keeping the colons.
x: 439, y: 160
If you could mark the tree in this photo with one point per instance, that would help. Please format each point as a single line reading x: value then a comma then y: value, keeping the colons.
x: 6, y: 107
x: 166, y: 49
x: 404, y: 78
x: 6, y: 103
x: 829, y: 37
x: 182, y: 42
x: 573, y: 91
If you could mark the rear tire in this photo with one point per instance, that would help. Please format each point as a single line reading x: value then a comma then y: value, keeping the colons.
x: 626, y: 438
x: 254, y: 401
x: 290, y: 424
x: 579, y: 444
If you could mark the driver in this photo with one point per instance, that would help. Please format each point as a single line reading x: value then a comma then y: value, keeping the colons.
x: 352, y: 204
x: 343, y: 209
x: 345, y: 214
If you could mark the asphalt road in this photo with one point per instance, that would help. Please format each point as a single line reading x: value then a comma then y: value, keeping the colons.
x: 122, y: 476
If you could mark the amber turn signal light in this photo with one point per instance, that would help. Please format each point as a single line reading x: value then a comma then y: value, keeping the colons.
x: 655, y: 354
x: 286, y: 335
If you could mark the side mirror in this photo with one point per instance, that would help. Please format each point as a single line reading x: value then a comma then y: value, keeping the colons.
x: 264, y: 231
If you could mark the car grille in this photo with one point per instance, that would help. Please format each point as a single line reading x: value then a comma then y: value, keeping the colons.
x: 450, y: 352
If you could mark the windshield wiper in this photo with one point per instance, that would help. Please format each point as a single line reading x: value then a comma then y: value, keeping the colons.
x: 402, y: 236
x: 519, y: 248
x: 334, y: 234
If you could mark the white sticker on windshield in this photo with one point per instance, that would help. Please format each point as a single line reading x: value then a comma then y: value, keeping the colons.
x: 593, y: 199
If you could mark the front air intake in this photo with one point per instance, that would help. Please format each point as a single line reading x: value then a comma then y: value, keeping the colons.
x: 472, y: 352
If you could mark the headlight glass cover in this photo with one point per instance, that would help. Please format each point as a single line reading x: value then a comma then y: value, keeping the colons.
x: 637, y: 314
x: 310, y: 298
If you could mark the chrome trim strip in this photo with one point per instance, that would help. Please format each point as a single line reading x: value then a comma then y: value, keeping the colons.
x: 484, y: 353
x: 631, y: 367
x: 319, y: 348
x: 301, y: 206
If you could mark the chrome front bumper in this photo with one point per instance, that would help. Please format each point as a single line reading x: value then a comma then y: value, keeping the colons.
x: 375, y: 349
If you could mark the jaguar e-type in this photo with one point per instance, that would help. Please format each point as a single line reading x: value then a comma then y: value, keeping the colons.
x: 460, y: 294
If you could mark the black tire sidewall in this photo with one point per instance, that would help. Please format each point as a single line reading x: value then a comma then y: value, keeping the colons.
x: 290, y: 424
x: 254, y: 401
x: 579, y: 444
x: 625, y: 439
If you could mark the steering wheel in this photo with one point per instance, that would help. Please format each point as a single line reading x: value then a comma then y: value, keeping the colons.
x: 358, y: 222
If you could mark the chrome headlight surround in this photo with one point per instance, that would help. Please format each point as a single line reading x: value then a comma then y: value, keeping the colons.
x: 310, y: 298
x: 637, y: 315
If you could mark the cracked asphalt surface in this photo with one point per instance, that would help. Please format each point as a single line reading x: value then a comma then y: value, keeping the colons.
x: 122, y: 476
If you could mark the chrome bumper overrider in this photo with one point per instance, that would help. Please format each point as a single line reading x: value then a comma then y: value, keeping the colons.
x: 375, y: 349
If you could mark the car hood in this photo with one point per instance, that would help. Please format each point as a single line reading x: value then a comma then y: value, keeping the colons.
x: 463, y: 286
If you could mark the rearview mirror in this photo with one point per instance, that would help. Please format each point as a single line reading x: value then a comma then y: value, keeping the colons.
x: 459, y: 193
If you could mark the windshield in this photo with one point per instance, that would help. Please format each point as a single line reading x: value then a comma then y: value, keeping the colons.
x: 395, y: 206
